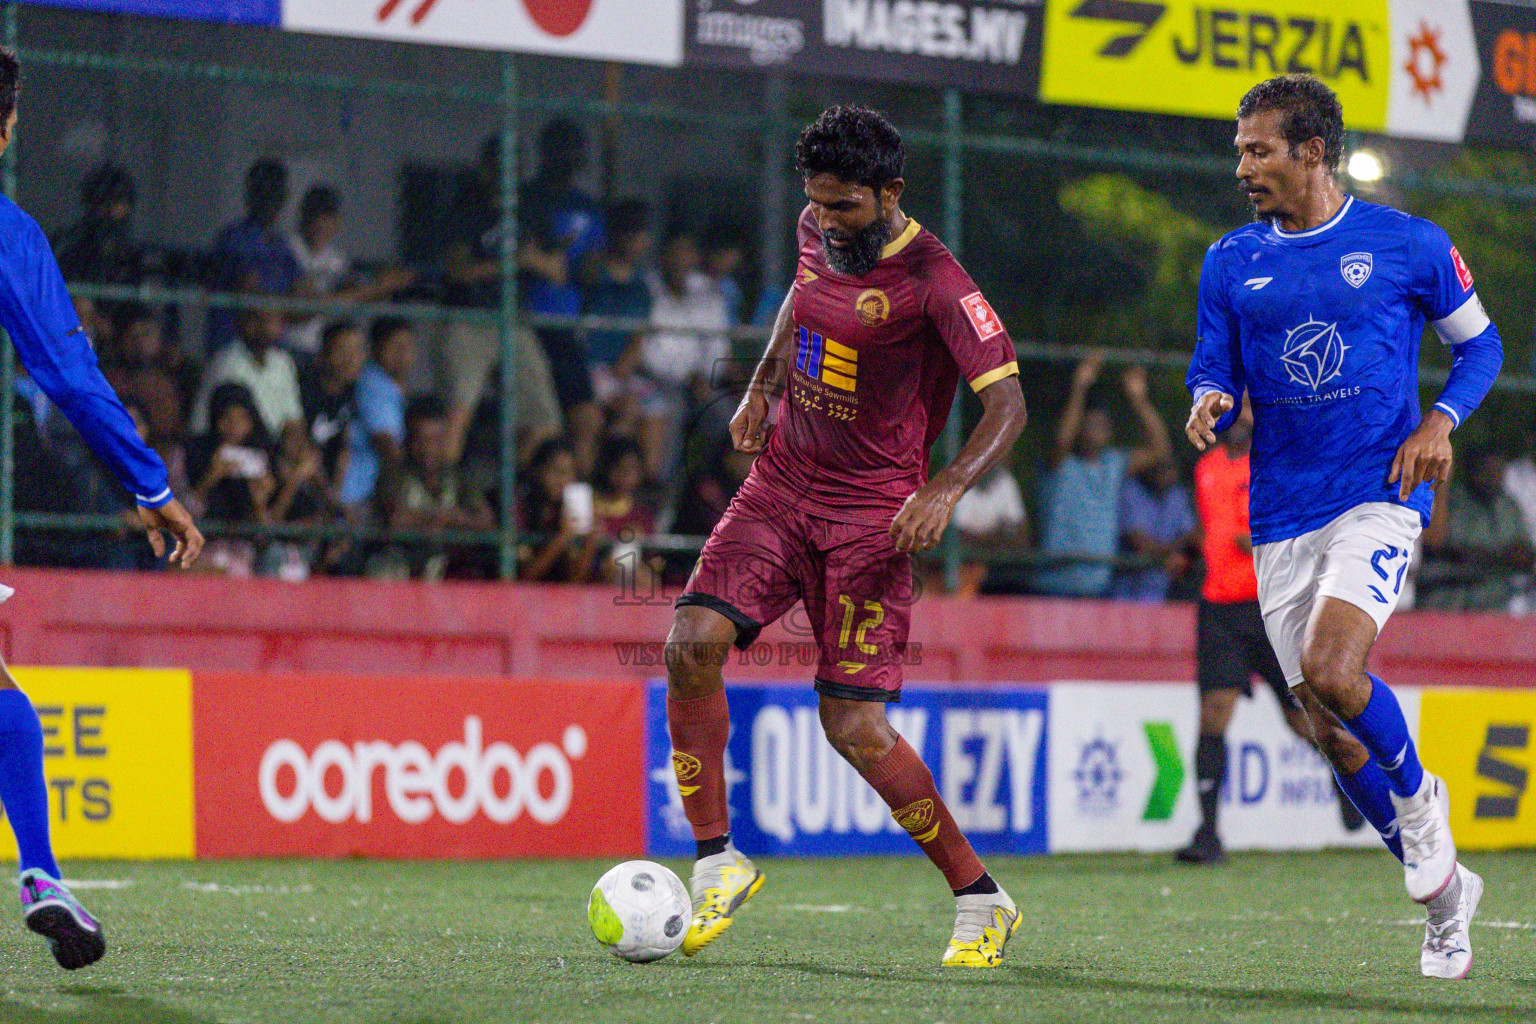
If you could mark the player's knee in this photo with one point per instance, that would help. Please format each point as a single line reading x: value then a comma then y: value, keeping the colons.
x: 858, y: 731
x: 696, y: 649
x: 1330, y: 675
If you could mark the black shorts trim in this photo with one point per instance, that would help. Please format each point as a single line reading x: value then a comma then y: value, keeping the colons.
x: 842, y: 691
x: 747, y: 627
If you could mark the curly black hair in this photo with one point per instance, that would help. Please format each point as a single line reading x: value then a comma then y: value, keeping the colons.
x: 10, y: 83
x: 1310, y: 109
x: 853, y: 143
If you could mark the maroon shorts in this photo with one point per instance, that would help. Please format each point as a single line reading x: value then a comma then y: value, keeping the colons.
x: 856, y: 589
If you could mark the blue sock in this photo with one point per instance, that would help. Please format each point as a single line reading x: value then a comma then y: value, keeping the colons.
x: 22, y: 788
x: 1369, y: 791
x: 1384, y: 731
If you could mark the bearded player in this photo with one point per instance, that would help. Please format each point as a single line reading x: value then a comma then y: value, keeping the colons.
x: 35, y: 310
x: 1318, y: 310
x: 867, y: 351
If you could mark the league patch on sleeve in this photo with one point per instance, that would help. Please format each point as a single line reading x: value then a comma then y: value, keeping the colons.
x: 1462, y: 273
x: 983, y: 320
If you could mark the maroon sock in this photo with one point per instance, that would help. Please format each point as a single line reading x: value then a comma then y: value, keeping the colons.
x: 699, y: 729
x: 906, y: 785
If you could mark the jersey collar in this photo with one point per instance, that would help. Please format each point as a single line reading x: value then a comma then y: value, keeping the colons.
x: 1330, y: 222
x: 902, y: 240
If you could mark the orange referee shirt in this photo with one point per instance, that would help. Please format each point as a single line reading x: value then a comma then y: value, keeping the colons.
x: 1221, y: 499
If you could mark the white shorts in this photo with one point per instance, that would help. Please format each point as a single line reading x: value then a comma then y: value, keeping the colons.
x: 1360, y: 557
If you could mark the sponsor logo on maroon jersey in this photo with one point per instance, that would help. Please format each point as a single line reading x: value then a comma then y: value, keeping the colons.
x: 985, y: 321
x: 873, y: 307
x: 1462, y: 273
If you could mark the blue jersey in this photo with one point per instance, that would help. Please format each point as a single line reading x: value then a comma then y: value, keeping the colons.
x: 36, y: 311
x: 1323, y: 328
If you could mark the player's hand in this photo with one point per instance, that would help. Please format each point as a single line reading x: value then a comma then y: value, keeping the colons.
x: 1425, y: 457
x: 1134, y: 380
x: 174, y: 518
x: 1201, y: 428
x: 919, y: 526
x: 749, y: 429
x: 1087, y: 371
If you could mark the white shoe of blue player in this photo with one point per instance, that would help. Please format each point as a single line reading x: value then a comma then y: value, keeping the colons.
x: 1447, y: 949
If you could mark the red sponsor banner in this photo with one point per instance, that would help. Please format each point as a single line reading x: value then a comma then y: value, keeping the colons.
x: 328, y: 765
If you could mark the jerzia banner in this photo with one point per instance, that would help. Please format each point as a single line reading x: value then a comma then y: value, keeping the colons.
x: 976, y: 45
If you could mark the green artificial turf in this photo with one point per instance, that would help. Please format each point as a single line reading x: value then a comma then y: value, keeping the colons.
x: 1292, y: 937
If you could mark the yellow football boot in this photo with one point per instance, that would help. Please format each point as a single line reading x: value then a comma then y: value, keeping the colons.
x: 720, y: 885
x: 983, y: 926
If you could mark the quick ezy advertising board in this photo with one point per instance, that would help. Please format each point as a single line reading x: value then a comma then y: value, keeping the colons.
x: 417, y: 767
x: 791, y: 795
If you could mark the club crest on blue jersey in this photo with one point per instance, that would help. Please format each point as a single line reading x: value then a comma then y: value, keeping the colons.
x: 1356, y: 268
x: 1314, y: 353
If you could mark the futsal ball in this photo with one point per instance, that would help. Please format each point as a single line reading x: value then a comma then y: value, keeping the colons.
x: 640, y: 911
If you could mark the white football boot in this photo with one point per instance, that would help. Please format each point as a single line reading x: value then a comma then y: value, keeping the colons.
x: 1429, y: 852
x: 1447, y: 949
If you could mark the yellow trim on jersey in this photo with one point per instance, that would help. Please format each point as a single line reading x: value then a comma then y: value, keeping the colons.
x: 902, y: 240
x: 993, y: 376
x: 837, y: 348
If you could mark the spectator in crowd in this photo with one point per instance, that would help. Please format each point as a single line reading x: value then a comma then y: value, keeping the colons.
x: 256, y: 361
x: 616, y: 287
x: 378, y: 431
x: 298, y: 470
x: 708, y: 491
x: 1157, y: 523
x: 328, y: 393
x: 431, y: 495
x: 620, y: 511
x: 559, y: 227
x: 689, y: 340
x: 1475, y: 542
x: 565, y: 545
x: 325, y: 270
x: 472, y: 273
x: 623, y: 516
x: 251, y: 254
x: 991, y: 516
x: 723, y: 253
x: 230, y: 468
x: 1081, y: 495
x: 143, y: 369
x: 1520, y: 481
x: 99, y: 248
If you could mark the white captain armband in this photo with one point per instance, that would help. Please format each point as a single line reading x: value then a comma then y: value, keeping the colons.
x: 1466, y: 323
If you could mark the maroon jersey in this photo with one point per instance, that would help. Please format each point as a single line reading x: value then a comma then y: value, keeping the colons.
x: 876, y: 362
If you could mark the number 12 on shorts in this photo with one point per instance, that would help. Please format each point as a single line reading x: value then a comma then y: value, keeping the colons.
x: 875, y: 615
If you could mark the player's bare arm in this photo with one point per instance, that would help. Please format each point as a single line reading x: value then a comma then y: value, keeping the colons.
x: 749, y: 431
x: 1203, y: 416
x: 1425, y: 456
x: 922, y: 520
x: 1155, y: 447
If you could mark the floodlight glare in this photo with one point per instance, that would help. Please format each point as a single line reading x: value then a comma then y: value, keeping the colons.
x: 1365, y: 166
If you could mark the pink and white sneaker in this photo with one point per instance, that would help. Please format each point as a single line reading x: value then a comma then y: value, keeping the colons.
x: 51, y: 910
